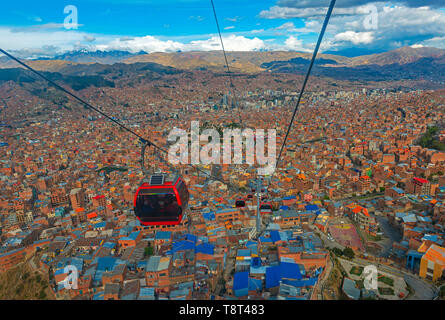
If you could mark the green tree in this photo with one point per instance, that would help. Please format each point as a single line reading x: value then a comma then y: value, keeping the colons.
x: 148, y: 251
x: 337, y: 252
x: 442, y: 292
x: 348, y: 253
x: 42, y: 295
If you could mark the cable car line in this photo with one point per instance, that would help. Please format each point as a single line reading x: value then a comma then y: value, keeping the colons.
x: 314, y: 55
x: 164, y: 199
x: 147, y: 142
x: 80, y: 100
x: 225, y: 58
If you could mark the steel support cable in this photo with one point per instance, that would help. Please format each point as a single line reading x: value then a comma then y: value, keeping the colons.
x: 232, y: 86
x: 314, y: 55
x: 82, y: 101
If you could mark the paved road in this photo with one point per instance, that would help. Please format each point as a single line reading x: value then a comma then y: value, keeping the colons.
x: 230, y: 265
x: 326, y: 242
x: 423, y: 290
x: 322, y: 282
x: 391, y: 236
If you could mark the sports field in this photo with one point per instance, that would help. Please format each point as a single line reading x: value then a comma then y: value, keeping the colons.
x: 346, y: 235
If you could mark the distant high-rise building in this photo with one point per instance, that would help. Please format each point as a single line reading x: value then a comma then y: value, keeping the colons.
x: 99, y: 201
x: 419, y: 186
x: 216, y: 171
x: 77, y: 197
x: 59, y: 197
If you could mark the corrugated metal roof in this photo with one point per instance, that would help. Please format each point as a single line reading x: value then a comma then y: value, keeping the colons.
x: 241, y: 280
x: 157, y: 263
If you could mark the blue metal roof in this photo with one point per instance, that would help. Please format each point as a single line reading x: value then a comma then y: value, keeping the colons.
x: 255, y: 284
x: 301, y: 283
x: 163, y: 235
x: 275, y: 236
x: 290, y: 270
x: 250, y: 243
x: 191, y: 237
x: 99, y: 296
x: 398, y: 190
x: 241, y: 280
x: 243, y: 253
x: 109, y: 245
x: 285, y: 270
x: 208, y: 215
x: 182, y: 245
x: 430, y: 237
x: 131, y: 236
x: 265, y: 239
x: 272, y: 277
x: 205, y: 248
x: 147, y: 292
x: 100, y: 225
x: 255, y: 262
x: 311, y: 207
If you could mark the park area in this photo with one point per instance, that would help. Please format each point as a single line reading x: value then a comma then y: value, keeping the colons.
x: 390, y: 287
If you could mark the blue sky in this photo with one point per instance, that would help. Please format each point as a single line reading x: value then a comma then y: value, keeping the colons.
x: 139, y: 18
x: 36, y: 27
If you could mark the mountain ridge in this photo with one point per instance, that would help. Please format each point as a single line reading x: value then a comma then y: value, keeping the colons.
x: 406, y: 63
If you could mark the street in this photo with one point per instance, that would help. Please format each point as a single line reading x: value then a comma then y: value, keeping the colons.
x: 391, y: 236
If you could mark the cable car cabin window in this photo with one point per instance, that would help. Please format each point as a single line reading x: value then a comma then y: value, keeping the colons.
x: 158, y: 205
x: 240, y: 203
x: 183, y: 192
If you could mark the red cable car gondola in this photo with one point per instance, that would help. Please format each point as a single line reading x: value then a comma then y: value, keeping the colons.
x: 240, y: 203
x: 266, y: 206
x: 162, y: 201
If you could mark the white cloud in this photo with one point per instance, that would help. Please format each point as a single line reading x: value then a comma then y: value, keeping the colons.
x: 58, y: 40
x: 355, y: 37
x: 289, y: 26
x: 437, y: 42
x: 153, y: 44
x: 292, y: 43
x: 277, y: 12
x: 28, y: 42
x: 89, y: 38
x: 231, y: 43
x: 147, y: 43
x: 257, y: 31
x: 355, y: 3
x: 234, y: 19
x: 397, y: 24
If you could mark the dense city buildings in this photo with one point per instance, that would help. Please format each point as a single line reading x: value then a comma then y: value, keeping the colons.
x: 354, y: 187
